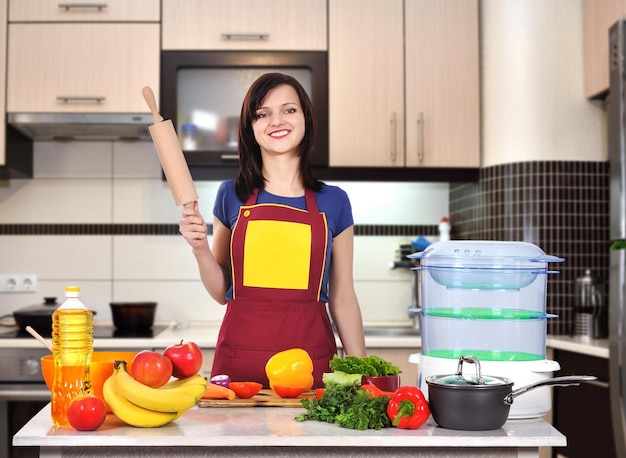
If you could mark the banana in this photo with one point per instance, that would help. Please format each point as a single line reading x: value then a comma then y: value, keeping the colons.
x: 150, y: 398
x: 197, y: 378
x: 193, y: 386
x: 133, y: 414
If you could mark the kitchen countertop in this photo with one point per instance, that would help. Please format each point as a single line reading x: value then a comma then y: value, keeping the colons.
x: 583, y: 345
x: 205, y: 335
x: 272, y: 431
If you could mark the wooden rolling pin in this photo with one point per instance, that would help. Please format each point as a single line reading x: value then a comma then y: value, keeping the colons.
x: 171, y: 155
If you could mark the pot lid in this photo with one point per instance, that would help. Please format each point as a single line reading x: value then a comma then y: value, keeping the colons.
x: 484, y: 254
x: 460, y: 380
x: 49, y: 305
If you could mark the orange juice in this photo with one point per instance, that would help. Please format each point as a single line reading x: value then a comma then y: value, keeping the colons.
x: 72, y: 347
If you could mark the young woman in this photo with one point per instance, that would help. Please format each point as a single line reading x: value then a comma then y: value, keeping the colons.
x: 282, y: 243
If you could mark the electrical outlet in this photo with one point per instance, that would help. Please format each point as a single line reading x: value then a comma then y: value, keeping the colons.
x: 28, y: 283
x: 11, y: 283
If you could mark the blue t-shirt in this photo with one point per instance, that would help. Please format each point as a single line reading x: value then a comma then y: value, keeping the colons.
x: 331, y: 200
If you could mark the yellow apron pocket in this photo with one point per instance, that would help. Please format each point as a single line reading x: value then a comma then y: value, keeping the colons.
x: 277, y: 255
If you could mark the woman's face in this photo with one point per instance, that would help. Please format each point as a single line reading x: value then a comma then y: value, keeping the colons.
x: 279, y: 126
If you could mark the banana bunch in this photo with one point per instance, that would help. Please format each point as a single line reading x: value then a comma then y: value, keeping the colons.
x: 140, y: 405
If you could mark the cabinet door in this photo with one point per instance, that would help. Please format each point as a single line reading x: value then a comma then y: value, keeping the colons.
x: 93, y: 11
x: 598, y: 16
x: 244, y: 24
x: 97, y: 68
x: 442, y: 83
x: 583, y: 413
x: 366, y: 79
x: 207, y: 362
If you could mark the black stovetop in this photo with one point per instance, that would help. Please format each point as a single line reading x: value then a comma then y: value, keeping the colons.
x: 99, y: 332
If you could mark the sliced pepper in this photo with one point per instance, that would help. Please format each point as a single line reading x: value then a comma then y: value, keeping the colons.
x: 408, y: 408
x: 288, y: 391
x: 373, y: 390
x: 245, y: 390
x: 292, y: 367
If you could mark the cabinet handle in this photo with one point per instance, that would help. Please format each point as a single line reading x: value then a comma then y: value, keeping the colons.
x: 393, y: 137
x: 245, y: 36
x: 69, y: 6
x: 229, y: 157
x: 69, y: 98
x: 420, y: 136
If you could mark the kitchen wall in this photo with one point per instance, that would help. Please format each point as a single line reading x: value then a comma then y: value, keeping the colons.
x: 539, y: 135
x: 98, y: 214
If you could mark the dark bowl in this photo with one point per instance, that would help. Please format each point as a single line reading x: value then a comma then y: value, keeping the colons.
x: 133, y: 315
x: 389, y: 383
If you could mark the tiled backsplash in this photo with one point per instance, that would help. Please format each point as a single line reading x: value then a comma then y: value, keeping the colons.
x: 562, y: 207
x: 98, y: 214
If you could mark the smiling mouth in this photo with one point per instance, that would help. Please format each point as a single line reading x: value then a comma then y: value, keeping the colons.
x: 279, y: 133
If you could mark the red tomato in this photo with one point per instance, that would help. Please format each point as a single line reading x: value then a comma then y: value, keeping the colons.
x: 186, y: 358
x: 245, y: 390
x: 86, y: 413
x: 319, y: 392
x: 288, y: 391
x: 151, y: 368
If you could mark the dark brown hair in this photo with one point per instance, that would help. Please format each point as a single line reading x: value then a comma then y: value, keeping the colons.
x: 250, y: 173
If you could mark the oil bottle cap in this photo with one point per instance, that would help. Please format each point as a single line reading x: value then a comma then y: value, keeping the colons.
x: 72, y: 291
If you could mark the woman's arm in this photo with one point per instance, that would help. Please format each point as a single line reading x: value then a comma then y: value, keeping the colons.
x: 214, y: 265
x: 343, y: 303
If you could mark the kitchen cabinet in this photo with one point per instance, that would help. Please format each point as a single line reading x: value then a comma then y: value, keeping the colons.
x: 244, y: 25
x: 582, y: 413
x: 76, y: 67
x: 404, y: 83
x: 111, y: 10
x: 598, y: 16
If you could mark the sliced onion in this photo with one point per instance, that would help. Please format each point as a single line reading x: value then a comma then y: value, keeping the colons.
x: 221, y: 380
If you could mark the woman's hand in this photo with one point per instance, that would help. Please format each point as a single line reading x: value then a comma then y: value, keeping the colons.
x: 193, y: 228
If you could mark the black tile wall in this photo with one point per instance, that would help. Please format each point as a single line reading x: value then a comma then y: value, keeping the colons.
x: 560, y: 206
x: 172, y: 229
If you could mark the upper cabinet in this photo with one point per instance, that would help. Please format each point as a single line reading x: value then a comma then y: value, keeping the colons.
x: 59, y: 60
x: 366, y: 83
x: 244, y: 24
x: 598, y: 16
x: 404, y: 83
x: 442, y: 83
x: 84, y: 11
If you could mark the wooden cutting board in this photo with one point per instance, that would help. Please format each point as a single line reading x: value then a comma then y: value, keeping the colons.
x: 264, y: 398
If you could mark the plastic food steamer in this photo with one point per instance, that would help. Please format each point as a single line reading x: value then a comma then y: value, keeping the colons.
x: 487, y: 299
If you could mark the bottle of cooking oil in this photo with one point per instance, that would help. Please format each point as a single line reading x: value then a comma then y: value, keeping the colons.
x: 72, y: 347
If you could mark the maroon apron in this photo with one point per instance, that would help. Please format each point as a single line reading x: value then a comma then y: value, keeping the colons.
x: 277, y: 260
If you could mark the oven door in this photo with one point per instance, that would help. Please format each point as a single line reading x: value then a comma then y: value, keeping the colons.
x: 19, y: 402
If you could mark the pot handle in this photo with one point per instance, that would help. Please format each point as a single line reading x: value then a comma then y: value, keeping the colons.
x: 568, y: 380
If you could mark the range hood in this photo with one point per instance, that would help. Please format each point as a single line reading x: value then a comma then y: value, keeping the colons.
x: 82, y: 126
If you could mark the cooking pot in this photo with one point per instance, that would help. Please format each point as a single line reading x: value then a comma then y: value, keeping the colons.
x: 133, y: 316
x: 479, y: 403
x: 38, y: 316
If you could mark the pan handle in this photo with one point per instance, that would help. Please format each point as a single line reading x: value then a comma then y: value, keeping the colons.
x: 568, y: 380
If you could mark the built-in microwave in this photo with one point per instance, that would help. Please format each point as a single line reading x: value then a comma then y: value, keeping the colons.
x: 202, y: 93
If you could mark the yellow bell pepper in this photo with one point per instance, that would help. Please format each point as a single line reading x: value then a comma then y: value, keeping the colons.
x: 292, y: 367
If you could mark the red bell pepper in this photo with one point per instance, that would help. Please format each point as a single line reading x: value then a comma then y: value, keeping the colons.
x: 408, y: 408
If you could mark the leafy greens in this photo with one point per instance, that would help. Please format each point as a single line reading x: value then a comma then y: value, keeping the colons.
x: 370, y: 366
x: 349, y: 407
